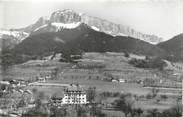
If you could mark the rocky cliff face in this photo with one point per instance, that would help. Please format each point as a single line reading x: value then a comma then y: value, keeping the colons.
x: 69, y: 17
x: 10, y: 38
x: 65, y: 16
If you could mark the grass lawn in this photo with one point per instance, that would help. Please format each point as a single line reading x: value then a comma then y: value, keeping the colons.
x: 102, y: 86
x: 116, y: 65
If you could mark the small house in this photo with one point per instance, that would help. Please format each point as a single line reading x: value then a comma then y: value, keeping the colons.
x: 114, y: 80
x: 122, y: 80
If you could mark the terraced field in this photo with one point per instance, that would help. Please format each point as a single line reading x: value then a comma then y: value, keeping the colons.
x: 114, y: 66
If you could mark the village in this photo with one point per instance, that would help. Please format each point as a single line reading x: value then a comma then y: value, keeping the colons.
x: 93, y: 86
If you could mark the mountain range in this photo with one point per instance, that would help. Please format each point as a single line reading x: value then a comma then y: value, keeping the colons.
x: 83, y: 38
x: 79, y: 32
x: 68, y: 16
x: 70, y: 19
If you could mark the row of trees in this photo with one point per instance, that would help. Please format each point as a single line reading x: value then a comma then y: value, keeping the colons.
x: 172, y: 112
x: 148, y: 63
x: 125, y: 104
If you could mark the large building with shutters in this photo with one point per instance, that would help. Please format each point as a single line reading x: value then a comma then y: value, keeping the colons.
x: 74, y: 96
x: 71, y: 95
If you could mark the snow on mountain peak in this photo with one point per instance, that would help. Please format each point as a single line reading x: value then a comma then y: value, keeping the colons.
x: 15, y: 34
x: 95, y: 28
x: 10, y: 38
x: 70, y: 19
x: 55, y: 26
x: 68, y: 26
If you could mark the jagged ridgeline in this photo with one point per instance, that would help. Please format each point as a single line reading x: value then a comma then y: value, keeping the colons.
x: 68, y: 30
x: 86, y: 39
x: 68, y: 18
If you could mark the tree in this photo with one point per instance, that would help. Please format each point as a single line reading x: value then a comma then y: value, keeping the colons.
x: 99, y: 113
x: 66, y: 56
x: 40, y: 109
x: 81, y: 111
x: 7, y: 60
x: 70, y: 53
x: 157, y: 63
x: 2, y: 87
x: 153, y: 113
x: 154, y: 92
x: 139, y: 111
x: 148, y: 63
x: 173, y: 112
x: 125, y: 105
x: 22, y: 102
x: 91, y: 94
x: 55, y: 73
x: 136, y: 112
x: 57, y: 112
x: 96, y: 111
x: 126, y: 54
x: 164, y: 97
x: 133, y: 112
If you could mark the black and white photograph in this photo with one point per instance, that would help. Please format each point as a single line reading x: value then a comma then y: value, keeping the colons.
x: 91, y: 58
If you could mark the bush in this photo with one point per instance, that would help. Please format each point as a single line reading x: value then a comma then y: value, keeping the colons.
x: 149, y: 96
x: 148, y: 63
x: 164, y: 97
x: 110, y: 94
x: 126, y: 54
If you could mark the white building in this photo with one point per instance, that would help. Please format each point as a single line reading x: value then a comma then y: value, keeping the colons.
x: 74, y: 96
x: 122, y: 80
x: 71, y: 95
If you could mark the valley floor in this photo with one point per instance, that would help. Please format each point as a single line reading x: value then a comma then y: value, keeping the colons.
x: 88, y: 73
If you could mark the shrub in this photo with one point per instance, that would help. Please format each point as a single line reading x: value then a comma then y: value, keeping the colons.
x: 126, y: 54
x: 148, y: 63
x: 164, y: 97
x: 149, y: 96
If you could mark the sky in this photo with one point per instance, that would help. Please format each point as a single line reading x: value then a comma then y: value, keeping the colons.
x: 163, y: 18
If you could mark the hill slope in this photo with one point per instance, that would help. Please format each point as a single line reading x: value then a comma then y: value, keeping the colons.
x: 174, y: 47
x: 83, y: 38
